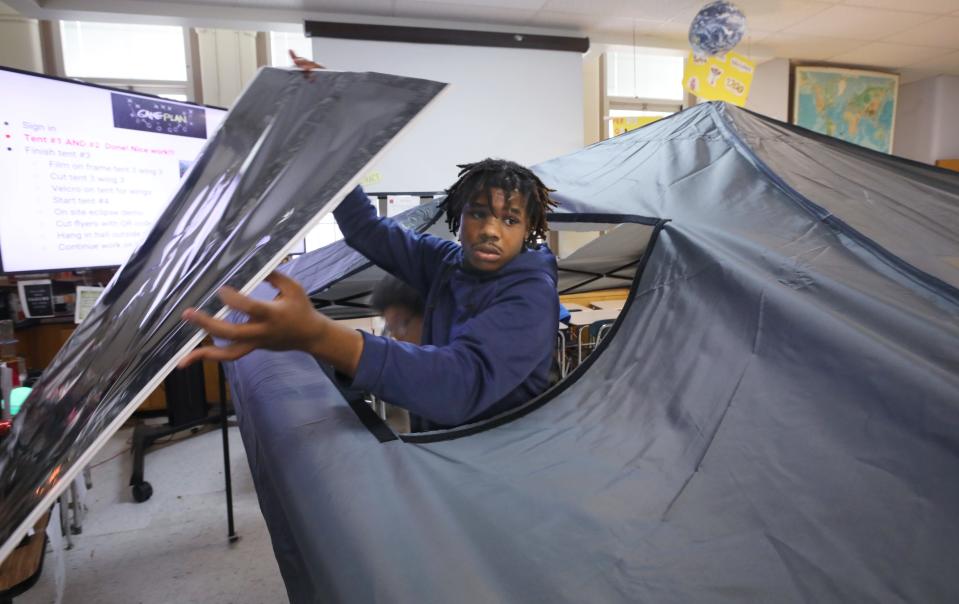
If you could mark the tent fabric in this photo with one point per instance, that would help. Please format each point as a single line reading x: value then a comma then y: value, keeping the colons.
x: 774, y: 417
x: 323, y: 273
x: 289, y: 149
x: 607, y: 262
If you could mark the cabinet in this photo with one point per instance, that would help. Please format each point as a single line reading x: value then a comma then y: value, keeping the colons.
x: 948, y: 164
x: 39, y: 340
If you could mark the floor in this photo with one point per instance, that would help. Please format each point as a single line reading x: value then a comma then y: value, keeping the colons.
x: 172, y: 548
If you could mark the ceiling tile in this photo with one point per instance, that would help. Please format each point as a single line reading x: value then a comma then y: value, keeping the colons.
x: 754, y: 35
x: 642, y: 27
x: 946, y: 63
x: 943, y: 32
x: 493, y: 15
x: 642, y: 41
x: 577, y: 21
x: 681, y: 28
x: 881, y: 54
x: 810, y: 48
x: 364, y: 7
x: 651, y: 10
x: 526, y: 5
x: 592, y: 25
x: 909, y: 75
x: 857, y: 23
x: 675, y: 26
x: 762, y: 15
x: 683, y: 19
x: 776, y: 15
x: 938, y: 7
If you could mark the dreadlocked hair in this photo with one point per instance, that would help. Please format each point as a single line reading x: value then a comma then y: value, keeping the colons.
x: 478, y: 178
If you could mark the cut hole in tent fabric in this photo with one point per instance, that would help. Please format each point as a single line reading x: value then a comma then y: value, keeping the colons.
x: 598, y: 259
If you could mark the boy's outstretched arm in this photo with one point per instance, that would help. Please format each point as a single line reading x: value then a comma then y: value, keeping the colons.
x: 414, y: 258
x: 288, y: 322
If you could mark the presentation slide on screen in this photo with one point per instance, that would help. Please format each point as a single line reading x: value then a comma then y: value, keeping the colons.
x: 85, y: 171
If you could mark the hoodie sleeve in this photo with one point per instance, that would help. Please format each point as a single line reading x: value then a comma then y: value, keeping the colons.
x: 489, y: 356
x: 414, y: 258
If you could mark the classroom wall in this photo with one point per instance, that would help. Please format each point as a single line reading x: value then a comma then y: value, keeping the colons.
x: 227, y: 63
x: 19, y: 41
x: 927, y: 120
x: 769, y: 93
x: 591, y: 100
x: 946, y: 120
x: 914, y: 134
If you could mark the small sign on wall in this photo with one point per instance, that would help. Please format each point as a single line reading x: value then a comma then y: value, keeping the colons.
x: 86, y: 299
x: 36, y: 298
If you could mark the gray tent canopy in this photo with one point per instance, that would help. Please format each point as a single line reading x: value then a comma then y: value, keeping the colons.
x: 774, y: 417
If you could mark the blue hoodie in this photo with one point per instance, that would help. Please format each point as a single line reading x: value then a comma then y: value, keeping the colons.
x: 488, y: 338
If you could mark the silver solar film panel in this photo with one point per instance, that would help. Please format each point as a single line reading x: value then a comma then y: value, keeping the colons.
x: 287, y: 153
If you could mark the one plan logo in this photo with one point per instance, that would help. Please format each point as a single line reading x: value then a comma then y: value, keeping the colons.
x: 163, y: 117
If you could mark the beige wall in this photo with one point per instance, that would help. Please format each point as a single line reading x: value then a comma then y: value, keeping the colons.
x: 19, y: 42
x: 591, y: 109
x: 927, y: 120
x: 769, y: 93
x: 227, y: 63
x: 913, y: 135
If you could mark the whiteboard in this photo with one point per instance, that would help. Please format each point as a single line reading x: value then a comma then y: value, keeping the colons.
x: 518, y: 104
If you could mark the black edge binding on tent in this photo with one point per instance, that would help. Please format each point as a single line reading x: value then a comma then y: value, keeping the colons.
x: 372, y: 422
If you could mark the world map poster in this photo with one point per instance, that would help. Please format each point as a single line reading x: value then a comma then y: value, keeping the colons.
x: 852, y: 105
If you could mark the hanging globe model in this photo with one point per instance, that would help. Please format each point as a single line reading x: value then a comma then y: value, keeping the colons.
x: 717, y: 28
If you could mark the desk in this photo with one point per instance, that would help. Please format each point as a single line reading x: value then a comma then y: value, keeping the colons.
x: 587, y: 317
x: 948, y: 164
x: 573, y: 307
x: 616, y: 305
x: 582, y: 320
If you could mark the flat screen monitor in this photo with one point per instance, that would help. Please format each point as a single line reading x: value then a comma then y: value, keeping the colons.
x: 85, y: 170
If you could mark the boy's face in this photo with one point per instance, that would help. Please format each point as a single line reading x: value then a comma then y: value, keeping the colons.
x: 491, y: 239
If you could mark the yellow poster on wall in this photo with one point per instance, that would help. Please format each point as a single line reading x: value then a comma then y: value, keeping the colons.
x: 625, y: 124
x: 721, y: 78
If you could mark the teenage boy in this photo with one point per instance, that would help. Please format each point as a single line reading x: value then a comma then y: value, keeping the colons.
x: 491, y: 304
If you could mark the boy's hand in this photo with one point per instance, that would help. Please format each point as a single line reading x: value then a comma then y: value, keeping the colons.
x: 289, y: 322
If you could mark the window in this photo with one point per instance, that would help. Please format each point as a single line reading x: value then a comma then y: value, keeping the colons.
x: 624, y: 120
x: 323, y: 234
x: 642, y: 85
x: 120, y: 50
x: 281, y: 42
x: 151, y: 59
x: 639, y: 73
